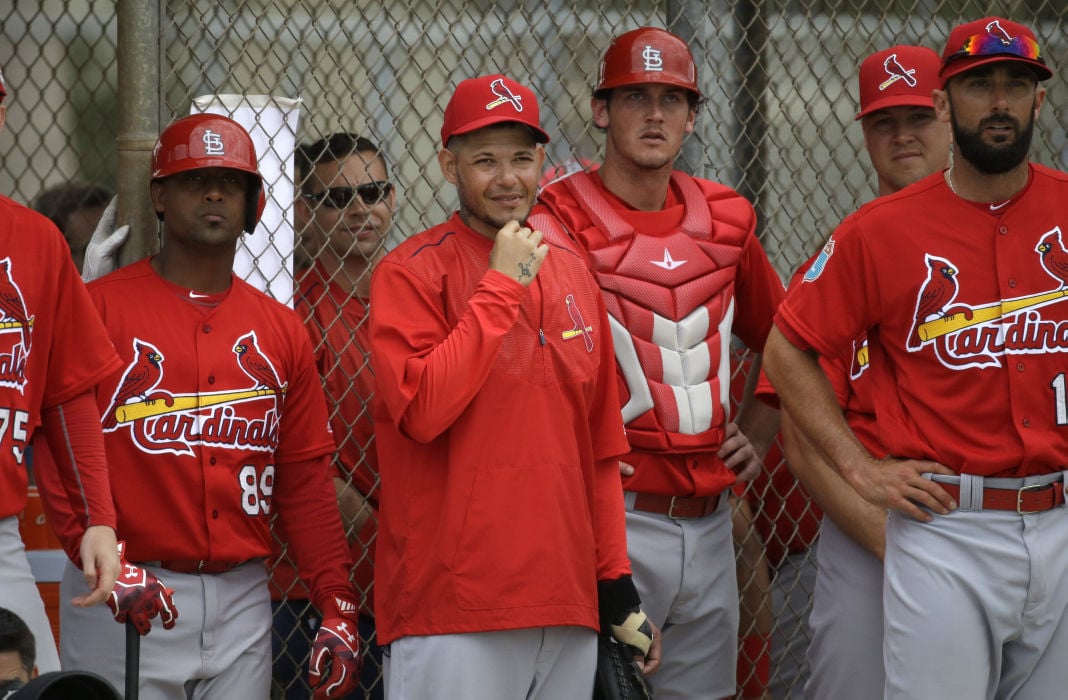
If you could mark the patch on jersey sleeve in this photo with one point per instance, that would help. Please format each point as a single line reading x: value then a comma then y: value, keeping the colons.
x: 580, y: 329
x: 813, y: 273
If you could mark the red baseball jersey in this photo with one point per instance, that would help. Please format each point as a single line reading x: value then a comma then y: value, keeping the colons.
x: 52, y: 345
x: 338, y: 327
x: 216, y: 409
x: 497, y: 428
x: 964, y: 304
x: 847, y: 375
x: 677, y: 284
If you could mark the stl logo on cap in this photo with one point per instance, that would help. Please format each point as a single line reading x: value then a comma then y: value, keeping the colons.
x: 213, y: 143
x: 504, y: 95
x: 897, y: 72
x: 653, y: 61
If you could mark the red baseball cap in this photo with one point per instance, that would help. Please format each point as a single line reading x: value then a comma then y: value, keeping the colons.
x: 900, y: 76
x: 989, y: 40
x: 491, y: 99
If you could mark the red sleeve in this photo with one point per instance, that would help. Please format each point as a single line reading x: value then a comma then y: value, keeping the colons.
x: 71, y: 471
x: 759, y: 292
x: 606, y: 426
x: 307, y: 511
x: 305, y: 427
x: 80, y: 352
x: 837, y: 299
x: 427, y: 372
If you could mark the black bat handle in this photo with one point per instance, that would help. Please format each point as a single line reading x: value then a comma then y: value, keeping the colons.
x: 133, y: 661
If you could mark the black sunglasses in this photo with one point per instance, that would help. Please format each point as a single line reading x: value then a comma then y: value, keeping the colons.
x: 370, y: 193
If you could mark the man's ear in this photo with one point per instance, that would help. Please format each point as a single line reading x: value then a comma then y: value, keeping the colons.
x: 599, y: 108
x: 447, y: 161
x: 155, y: 191
x: 941, y: 105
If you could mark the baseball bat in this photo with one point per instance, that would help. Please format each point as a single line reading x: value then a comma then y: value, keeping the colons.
x: 5, y: 325
x: 984, y: 314
x: 158, y: 407
x: 133, y: 661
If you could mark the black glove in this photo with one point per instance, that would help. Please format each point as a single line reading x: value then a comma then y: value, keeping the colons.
x: 621, y: 614
x: 625, y: 633
x: 618, y: 675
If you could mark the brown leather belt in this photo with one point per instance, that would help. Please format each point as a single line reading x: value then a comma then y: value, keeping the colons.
x: 679, y: 507
x: 1033, y: 498
x: 195, y: 566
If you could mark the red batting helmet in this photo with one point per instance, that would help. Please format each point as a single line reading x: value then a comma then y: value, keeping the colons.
x: 648, y: 55
x: 210, y: 141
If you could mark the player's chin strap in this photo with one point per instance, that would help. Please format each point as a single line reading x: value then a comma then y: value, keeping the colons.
x: 635, y: 631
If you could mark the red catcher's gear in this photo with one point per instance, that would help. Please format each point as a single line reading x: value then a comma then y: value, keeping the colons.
x: 648, y: 55
x: 210, y: 141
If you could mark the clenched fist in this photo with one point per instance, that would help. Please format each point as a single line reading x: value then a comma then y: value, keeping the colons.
x: 518, y: 252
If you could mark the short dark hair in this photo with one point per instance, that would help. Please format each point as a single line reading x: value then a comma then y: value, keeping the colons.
x: 16, y: 636
x: 332, y: 148
x: 60, y: 201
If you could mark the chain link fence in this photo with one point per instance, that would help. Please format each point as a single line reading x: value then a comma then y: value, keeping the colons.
x: 780, y: 77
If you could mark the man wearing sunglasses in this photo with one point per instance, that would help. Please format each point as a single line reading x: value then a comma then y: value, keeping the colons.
x: 344, y: 207
x: 959, y: 283
x: 343, y: 214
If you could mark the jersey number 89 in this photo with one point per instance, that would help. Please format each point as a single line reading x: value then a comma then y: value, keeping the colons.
x: 256, y: 489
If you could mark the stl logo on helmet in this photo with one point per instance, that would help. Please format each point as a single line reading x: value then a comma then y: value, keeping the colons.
x: 213, y: 143
x: 897, y: 72
x: 504, y: 96
x: 654, y: 62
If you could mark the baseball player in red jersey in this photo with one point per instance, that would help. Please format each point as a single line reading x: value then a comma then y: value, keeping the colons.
x: 53, y: 351
x: 502, y: 544
x: 905, y: 142
x: 681, y: 270
x: 965, y: 330
x: 344, y: 211
x: 233, y: 430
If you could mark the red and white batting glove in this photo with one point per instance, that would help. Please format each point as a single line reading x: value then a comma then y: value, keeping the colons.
x: 139, y: 596
x: 335, y: 657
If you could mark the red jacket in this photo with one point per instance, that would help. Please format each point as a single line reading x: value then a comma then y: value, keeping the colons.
x: 497, y: 427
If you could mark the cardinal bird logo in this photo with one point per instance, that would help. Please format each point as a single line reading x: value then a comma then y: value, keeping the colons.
x: 504, y: 95
x: 13, y: 307
x: 897, y: 72
x: 995, y: 30
x: 937, y: 292
x: 140, y: 378
x: 255, y: 365
x: 1054, y: 256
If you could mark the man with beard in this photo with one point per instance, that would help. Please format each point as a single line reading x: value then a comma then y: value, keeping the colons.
x: 955, y: 281
x: 502, y: 543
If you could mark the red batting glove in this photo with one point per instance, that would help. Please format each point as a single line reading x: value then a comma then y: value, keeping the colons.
x: 138, y: 596
x: 335, y: 657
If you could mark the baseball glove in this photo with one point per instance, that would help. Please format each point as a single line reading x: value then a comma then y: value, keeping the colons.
x: 618, y: 676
